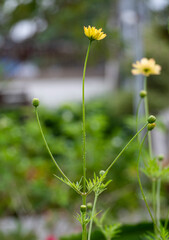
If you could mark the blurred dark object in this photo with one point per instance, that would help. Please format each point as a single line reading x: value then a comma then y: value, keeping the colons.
x: 54, y: 29
x: 13, y: 98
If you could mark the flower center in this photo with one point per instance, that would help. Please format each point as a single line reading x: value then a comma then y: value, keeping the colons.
x: 146, y: 70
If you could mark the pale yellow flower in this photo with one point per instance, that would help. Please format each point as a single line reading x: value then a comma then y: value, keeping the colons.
x: 146, y: 67
x: 94, y: 34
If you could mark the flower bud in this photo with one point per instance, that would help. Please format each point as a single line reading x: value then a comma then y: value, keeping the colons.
x: 151, y: 126
x: 151, y: 119
x: 89, y: 206
x: 35, y: 102
x: 83, y: 208
x: 143, y: 93
x: 102, y: 172
x: 161, y: 157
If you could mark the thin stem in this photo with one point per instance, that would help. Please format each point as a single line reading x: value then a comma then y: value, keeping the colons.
x: 48, y: 149
x: 110, y: 166
x: 158, y: 199
x: 147, y: 114
x: 138, y: 176
x: 154, y: 197
x: 166, y: 221
x: 84, y: 124
x: 137, y: 113
x: 154, y: 200
x: 92, y: 216
x: 154, y: 193
x: 141, y: 188
x: 146, y: 99
x: 84, y: 229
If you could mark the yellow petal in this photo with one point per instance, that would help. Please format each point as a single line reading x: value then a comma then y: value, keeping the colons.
x: 102, y: 36
x: 135, y: 71
x: 94, y: 34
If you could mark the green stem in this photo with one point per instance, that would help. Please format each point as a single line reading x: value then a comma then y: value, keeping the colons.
x: 166, y: 221
x: 84, y: 229
x: 154, y: 200
x: 147, y: 115
x: 141, y: 188
x: 154, y: 193
x: 48, y: 149
x: 110, y: 166
x: 84, y: 124
x: 92, y: 216
x: 137, y: 113
x: 158, y: 200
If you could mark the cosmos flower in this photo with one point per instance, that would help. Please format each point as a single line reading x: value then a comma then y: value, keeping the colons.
x: 146, y: 67
x: 94, y: 34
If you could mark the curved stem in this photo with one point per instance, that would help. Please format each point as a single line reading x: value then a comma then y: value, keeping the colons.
x: 141, y: 188
x: 110, y: 166
x: 84, y: 123
x: 92, y: 216
x: 48, y: 149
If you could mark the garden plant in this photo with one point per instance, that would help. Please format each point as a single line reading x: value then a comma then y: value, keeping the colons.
x: 152, y: 165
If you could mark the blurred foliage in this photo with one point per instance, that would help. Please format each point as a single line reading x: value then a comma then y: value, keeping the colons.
x: 18, y: 234
x: 27, y: 173
x: 128, y: 232
x: 157, y: 47
x: 64, y: 21
x: 27, y: 170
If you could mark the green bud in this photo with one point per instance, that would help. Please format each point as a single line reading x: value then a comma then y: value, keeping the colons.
x: 151, y: 126
x: 151, y: 119
x: 35, y: 102
x: 161, y: 157
x: 89, y: 206
x: 102, y: 172
x: 83, y: 208
x: 143, y: 93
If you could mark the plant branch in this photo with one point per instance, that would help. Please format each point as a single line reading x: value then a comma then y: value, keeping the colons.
x: 141, y: 188
x: 110, y: 166
x: 48, y: 149
x: 92, y: 216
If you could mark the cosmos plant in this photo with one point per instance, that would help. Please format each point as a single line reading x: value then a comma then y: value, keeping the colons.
x: 84, y: 187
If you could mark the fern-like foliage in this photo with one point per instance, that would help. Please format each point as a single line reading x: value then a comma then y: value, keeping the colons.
x: 76, y: 186
x: 164, y: 235
x: 109, y: 231
x: 82, y: 221
x: 79, y: 217
x: 153, y: 170
x: 97, y: 185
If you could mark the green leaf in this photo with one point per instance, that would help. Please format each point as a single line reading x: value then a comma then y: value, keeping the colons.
x: 76, y: 186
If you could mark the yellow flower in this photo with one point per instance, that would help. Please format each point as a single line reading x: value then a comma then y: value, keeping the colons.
x: 94, y: 34
x: 146, y: 67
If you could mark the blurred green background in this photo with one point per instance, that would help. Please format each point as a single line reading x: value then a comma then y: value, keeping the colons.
x: 56, y: 38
